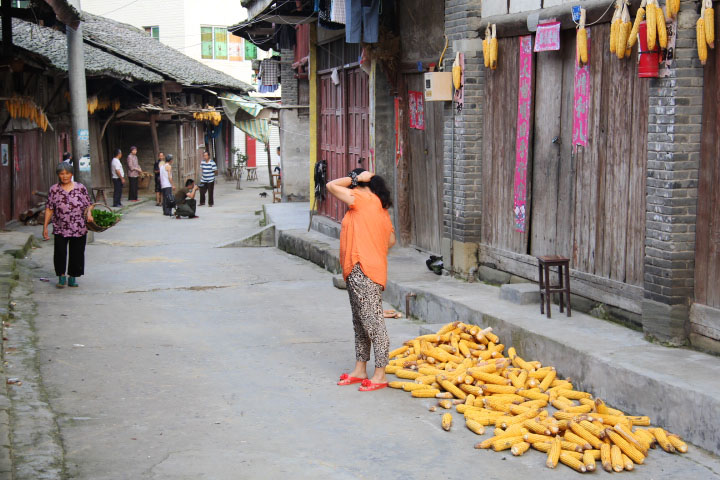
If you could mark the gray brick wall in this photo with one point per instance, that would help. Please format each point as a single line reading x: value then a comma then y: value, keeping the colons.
x: 464, y: 142
x: 674, y: 130
x: 289, y: 93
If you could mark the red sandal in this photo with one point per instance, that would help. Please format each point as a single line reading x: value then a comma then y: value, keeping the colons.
x: 368, y: 386
x: 346, y: 379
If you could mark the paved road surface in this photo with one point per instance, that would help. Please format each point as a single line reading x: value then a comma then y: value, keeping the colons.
x: 179, y: 360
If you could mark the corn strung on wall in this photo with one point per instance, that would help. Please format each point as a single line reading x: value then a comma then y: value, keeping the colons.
x: 23, y: 107
x: 511, y: 397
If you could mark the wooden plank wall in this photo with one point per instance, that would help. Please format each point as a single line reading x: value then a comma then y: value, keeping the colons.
x: 332, y: 140
x: 707, y: 243
x: 424, y: 150
x: 588, y: 206
x: 499, y: 130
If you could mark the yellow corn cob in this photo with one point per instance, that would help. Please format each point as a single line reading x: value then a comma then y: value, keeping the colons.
x: 407, y: 374
x: 586, y: 435
x: 506, y: 443
x: 536, y: 427
x: 448, y: 386
x: 425, y: 393
x: 626, y: 434
x: 493, y: 53
x: 645, y: 436
x: 446, y: 404
x: 572, y: 462
x: 662, y: 440
x: 641, y: 421
x: 614, y: 27
x: 627, y: 463
x: 547, y: 381
x: 578, y: 409
x: 573, y: 394
x: 398, y: 351
x: 487, y: 377
x: 447, y: 328
x: 472, y: 389
x: 512, y: 430
x: 533, y: 394
x: 592, y: 428
x: 661, y: 27
x: 510, y: 433
x: 701, y: 42
x: 397, y: 384
x: 623, y: 32
x: 633, y: 36
x: 392, y: 369
x: 486, y: 52
x: 474, y: 426
x: 411, y: 386
x: 589, y: 460
x: 582, y: 46
x: 493, y: 388
x: 677, y: 442
x: 497, y: 405
x: 572, y: 437
x: 537, y: 438
x: 709, y: 17
x: 673, y: 7
x: 605, y: 459
x: 651, y: 25
x: 519, y: 448
x: 616, y: 458
x: 564, y: 415
x: 447, y: 421
x: 554, y: 453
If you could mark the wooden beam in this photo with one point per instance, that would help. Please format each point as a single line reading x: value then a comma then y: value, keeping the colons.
x: 515, y: 24
x: 163, y: 92
x: 153, y: 132
x: 138, y: 123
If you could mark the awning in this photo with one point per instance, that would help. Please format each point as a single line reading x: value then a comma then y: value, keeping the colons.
x: 249, y: 115
x: 265, y: 17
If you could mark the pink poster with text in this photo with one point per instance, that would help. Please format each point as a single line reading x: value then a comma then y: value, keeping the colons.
x: 522, y: 138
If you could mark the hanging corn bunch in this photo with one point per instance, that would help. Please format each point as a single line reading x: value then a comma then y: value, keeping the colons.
x: 623, y: 32
x: 116, y: 105
x: 639, y: 17
x: 651, y: 25
x: 22, y: 107
x: 672, y: 7
x: 615, y: 26
x: 582, y: 44
x: 661, y: 27
x: 486, y: 47
x: 92, y: 103
x: 493, y: 48
x: 211, y: 116
x: 709, y: 17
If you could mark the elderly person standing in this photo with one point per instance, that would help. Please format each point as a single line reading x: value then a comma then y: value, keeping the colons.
x: 118, y: 178
x: 134, y: 172
x: 66, y: 206
x: 366, y: 235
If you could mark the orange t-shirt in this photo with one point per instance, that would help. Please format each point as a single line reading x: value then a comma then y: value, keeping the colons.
x: 365, y: 237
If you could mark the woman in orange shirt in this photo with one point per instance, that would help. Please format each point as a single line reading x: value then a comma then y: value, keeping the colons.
x: 365, y: 238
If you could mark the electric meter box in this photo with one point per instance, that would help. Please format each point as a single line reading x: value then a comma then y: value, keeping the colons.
x: 438, y: 86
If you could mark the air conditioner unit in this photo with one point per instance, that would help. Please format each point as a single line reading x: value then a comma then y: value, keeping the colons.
x: 438, y: 86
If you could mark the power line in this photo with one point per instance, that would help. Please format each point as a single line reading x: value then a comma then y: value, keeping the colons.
x: 120, y: 8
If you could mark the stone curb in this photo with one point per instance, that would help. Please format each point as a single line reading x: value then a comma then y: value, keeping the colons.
x: 686, y: 409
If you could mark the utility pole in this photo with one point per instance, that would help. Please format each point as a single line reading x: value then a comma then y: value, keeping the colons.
x: 78, y: 103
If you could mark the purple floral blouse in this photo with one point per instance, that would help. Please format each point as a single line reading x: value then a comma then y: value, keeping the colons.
x: 68, y: 210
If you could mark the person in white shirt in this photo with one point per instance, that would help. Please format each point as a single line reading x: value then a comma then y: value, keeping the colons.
x: 118, y: 178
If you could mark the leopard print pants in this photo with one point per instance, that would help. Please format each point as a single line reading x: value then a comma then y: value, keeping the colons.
x: 368, y: 320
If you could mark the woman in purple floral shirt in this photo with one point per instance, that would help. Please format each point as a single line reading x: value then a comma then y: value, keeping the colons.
x: 66, y: 205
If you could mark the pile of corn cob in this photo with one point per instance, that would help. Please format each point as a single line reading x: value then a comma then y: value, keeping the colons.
x: 464, y: 366
x: 24, y: 107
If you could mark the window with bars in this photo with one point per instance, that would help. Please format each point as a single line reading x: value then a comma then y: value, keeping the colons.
x: 214, y: 43
x: 154, y: 31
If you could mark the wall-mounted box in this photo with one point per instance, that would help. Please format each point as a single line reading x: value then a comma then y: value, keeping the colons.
x: 438, y: 86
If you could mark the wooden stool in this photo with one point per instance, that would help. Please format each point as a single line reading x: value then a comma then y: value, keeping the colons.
x: 251, y: 173
x: 98, y: 192
x: 546, y: 288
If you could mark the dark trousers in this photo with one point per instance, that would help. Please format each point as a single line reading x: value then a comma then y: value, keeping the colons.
x: 117, y: 192
x: 75, y: 264
x: 187, y: 209
x: 168, y: 200
x: 210, y: 189
x: 133, y: 190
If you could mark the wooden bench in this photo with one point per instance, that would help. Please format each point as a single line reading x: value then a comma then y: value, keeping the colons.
x: 98, y: 192
x: 251, y: 173
x: 547, y: 289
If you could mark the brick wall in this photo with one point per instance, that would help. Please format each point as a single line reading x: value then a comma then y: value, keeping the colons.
x: 464, y: 142
x: 674, y: 130
x: 288, y: 81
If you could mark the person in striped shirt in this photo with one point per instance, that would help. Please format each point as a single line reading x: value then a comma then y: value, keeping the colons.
x: 209, y: 172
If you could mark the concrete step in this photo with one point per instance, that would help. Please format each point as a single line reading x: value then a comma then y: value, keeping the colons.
x: 678, y: 388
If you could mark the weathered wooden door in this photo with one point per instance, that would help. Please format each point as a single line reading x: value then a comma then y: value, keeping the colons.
x: 6, y: 177
x: 707, y: 243
x: 344, y: 140
x: 587, y: 203
x: 424, y: 151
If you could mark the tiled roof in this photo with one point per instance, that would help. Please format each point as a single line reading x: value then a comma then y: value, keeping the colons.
x: 137, y: 46
x: 51, y: 45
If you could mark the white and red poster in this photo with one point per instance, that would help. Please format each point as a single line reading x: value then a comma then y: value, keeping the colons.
x: 416, y: 105
x: 581, y: 102
x: 547, y: 37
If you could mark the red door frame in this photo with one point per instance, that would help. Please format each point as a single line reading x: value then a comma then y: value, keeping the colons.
x: 250, y: 150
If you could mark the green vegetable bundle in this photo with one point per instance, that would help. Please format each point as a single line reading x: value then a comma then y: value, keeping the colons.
x: 105, y: 219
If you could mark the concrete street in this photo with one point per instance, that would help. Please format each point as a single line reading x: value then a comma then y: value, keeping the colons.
x: 179, y: 360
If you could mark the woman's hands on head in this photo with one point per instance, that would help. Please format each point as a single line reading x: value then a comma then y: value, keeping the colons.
x: 365, y: 176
